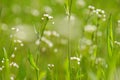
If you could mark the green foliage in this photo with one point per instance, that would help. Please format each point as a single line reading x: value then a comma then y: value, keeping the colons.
x: 71, y: 40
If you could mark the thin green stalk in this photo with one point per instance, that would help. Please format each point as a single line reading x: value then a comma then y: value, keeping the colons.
x: 43, y: 26
x: 7, y: 67
x: 68, y: 10
x: 110, y: 46
x: 110, y: 40
x: 41, y: 31
x: 33, y: 64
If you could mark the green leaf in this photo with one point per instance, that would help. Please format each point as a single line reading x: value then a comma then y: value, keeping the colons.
x: 32, y: 62
x: 7, y: 67
x: 110, y: 40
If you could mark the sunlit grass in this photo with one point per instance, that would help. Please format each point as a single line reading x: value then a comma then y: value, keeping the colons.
x: 59, y: 40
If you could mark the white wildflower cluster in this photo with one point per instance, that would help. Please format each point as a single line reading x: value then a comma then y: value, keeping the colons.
x: 51, y: 33
x: 3, y: 60
x: 50, y: 66
x: 48, y: 16
x: 90, y: 28
x: 101, y: 61
x: 99, y: 12
x: 13, y: 64
x: 50, y: 44
x: 116, y: 42
x: 118, y: 27
x: 2, y: 67
x: 13, y: 55
x: 23, y: 32
x: 15, y: 29
x: 84, y: 43
x: 75, y: 58
x: 16, y: 41
x: 19, y: 41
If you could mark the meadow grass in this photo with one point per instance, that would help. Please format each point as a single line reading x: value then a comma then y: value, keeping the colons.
x: 59, y: 40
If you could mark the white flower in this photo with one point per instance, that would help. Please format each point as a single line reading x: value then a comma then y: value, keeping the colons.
x: 35, y: 12
x: 80, y: 3
x: 90, y: 28
x: 91, y: 7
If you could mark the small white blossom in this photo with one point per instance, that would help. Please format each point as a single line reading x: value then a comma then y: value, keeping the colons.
x: 47, y: 15
x: 91, y: 7
x: 14, y: 64
x: 37, y: 42
x: 15, y: 48
x: 13, y: 55
x: 75, y: 58
x: 55, y: 34
x: 50, y: 66
x: 21, y: 44
x: 11, y: 78
x: 1, y: 69
x: 116, y: 42
x: 118, y: 21
x: 50, y: 44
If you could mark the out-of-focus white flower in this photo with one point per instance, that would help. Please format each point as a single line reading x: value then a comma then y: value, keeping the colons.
x: 24, y: 33
x: 48, y: 9
x: 75, y: 58
x: 14, y: 64
x: 37, y: 42
x: 91, y: 7
x: 80, y: 3
x: 118, y: 21
x: 11, y: 78
x: 116, y: 42
x: 35, y: 12
x: 90, y: 28
x: 50, y: 44
x: 84, y: 42
x: 47, y: 15
x: 50, y: 66
x: 13, y: 55
x: 1, y: 69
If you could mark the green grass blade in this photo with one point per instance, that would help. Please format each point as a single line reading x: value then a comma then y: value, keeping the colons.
x: 33, y: 64
x: 110, y: 39
x: 7, y: 66
x: 43, y: 26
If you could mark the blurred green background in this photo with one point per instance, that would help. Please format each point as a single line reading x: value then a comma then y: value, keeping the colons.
x: 21, y: 19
